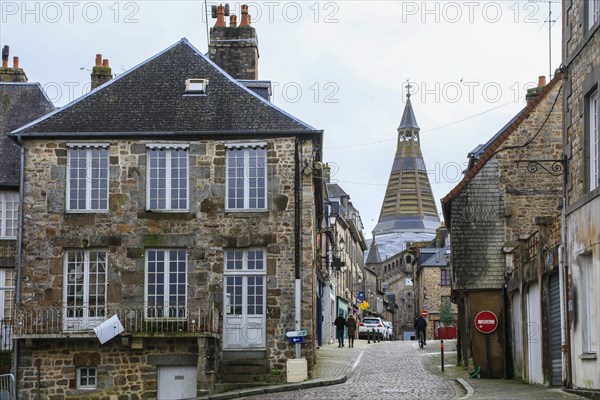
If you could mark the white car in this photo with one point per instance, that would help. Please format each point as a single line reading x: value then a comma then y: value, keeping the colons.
x: 372, y: 324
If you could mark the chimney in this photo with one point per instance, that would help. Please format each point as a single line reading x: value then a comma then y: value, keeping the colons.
x: 233, y: 21
x: 101, y: 73
x: 533, y: 93
x: 14, y: 74
x: 234, y: 48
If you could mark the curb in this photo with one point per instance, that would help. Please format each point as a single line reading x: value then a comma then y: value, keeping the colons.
x: 467, y: 387
x: 288, y: 387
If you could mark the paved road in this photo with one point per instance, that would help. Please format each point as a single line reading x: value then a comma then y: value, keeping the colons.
x: 382, y: 371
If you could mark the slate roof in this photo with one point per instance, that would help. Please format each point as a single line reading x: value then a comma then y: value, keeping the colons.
x: 408, y: 120
x: 487, y: 151
x: 20, y: 103
x: 151, y: 98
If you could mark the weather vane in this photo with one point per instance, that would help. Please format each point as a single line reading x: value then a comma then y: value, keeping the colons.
x: 408, y: 87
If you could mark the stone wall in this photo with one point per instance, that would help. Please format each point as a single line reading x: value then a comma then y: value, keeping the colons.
x: 127, y: 230
x: 430, y: 278
x: 581, y: 56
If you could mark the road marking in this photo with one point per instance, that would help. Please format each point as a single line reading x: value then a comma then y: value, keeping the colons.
x: 357, y: 361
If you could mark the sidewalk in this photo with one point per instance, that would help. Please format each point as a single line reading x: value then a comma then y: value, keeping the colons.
x: 484, y: 388
x: 334, y: 366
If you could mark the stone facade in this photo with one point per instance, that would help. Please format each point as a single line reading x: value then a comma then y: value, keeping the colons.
x: 581, y: 243
x: 501, y: 200
x: 127, y: 230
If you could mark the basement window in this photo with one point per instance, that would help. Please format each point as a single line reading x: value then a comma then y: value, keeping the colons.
x: 86, y: 378
x: 196, y: 86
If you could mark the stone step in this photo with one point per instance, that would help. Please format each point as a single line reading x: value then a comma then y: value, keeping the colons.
x: 246, y: 370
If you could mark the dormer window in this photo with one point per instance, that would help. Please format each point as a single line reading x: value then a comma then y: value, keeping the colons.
x: 196, y: 86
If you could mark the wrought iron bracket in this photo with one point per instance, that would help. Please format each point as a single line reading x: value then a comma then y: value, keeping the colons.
x: 553, y: 167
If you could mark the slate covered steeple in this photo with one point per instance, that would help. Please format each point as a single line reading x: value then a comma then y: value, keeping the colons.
x: 408, y: 207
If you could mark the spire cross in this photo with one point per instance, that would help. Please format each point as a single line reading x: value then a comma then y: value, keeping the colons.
x: 408, y: 87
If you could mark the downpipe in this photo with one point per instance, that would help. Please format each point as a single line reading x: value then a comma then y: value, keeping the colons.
x: 19, y: 254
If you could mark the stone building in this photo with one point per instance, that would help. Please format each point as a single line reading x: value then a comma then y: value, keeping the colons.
x: 581, y: 243
x: 170, y: 231
x: 499, y: 202
x: 20, y: 103
x: 342, y: 252
x: 433, y: 285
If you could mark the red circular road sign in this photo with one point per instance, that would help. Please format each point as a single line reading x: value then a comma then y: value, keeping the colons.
x: 424, y: 313
x: 486, y: 322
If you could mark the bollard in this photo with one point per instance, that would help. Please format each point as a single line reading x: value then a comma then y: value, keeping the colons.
x: 442, y: 352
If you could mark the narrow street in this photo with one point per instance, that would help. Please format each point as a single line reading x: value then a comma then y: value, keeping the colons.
x: 384, y: 370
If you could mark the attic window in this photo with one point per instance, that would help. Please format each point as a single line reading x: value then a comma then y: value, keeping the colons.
x: 196, y: 86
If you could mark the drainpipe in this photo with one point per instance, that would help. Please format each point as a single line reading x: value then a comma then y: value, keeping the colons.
x: 19, y: 253
x: 297, y: 244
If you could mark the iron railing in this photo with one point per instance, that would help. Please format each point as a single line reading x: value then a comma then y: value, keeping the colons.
x: 140, y: 320
x: 7, y: 387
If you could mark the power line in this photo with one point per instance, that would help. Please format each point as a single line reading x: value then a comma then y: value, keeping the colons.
x: 425, y: 131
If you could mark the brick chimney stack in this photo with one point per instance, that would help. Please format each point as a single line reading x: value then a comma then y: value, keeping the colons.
x: 533, y: 93
x: 234, y: 48
x: 101, y: 73
x: 14, y: 74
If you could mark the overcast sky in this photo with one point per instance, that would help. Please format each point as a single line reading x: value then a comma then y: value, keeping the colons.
x: 340, y: 66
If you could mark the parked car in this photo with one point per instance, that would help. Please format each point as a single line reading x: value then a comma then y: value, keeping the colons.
x: 368, y: 324
x: 389, y: 330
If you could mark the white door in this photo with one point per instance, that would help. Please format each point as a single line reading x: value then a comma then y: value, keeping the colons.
x: 517, y: 334
x: 534, y: 334
x: 244, y: 312
x: 177, y: 382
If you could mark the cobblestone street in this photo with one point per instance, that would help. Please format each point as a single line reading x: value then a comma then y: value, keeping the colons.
x: 384, y: 370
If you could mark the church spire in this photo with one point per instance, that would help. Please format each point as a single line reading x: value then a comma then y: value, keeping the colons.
x: 408, y: 205
x: 408, y: 120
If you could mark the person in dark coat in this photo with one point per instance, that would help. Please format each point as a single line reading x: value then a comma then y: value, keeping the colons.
x: 351, y: 330
x: 421, y: 327
x: 340, y: 324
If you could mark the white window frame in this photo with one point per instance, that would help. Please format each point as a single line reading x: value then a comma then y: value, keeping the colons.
x: 593, y: 139
x: 593, y: 12
x: 246, y: 267
x: 249, y: 174
x: 196, y: 86
x: 85, y: 308
x: 589, y: 308
x: 169, y: 150
x: 9, y: 213
x: 7, y: 292
x: 152, y: 309
x: 91, y: 182
x: 91, y: 373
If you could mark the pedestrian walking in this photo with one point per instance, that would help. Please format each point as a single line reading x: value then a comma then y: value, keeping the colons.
x: 351, y: 330
x: 340, y: 323
x: 421, y: 327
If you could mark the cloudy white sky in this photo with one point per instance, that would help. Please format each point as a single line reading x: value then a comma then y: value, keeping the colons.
x: 340, y: 66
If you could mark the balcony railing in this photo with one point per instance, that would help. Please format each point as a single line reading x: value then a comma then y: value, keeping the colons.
x: 139, y: 321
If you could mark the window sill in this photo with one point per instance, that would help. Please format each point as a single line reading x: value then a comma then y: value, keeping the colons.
x: 588, y: 356
x: 165, y: 214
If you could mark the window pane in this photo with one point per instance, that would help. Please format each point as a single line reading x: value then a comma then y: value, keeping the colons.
x: 88, y: 179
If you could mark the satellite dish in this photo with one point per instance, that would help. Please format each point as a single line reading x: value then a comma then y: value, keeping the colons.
x: 109, y: 329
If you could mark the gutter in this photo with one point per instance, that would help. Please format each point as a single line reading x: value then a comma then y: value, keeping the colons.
x: 19, y: 252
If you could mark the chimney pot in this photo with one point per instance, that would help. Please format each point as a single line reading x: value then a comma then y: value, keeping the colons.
x: 5, y: 52
x: 232, y: 21
x: 245, y: 16
x: 220, y: 15
x: 16, y: 62
x: 541, y: 81
x: 98, y: 60
x: 105, y: 63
